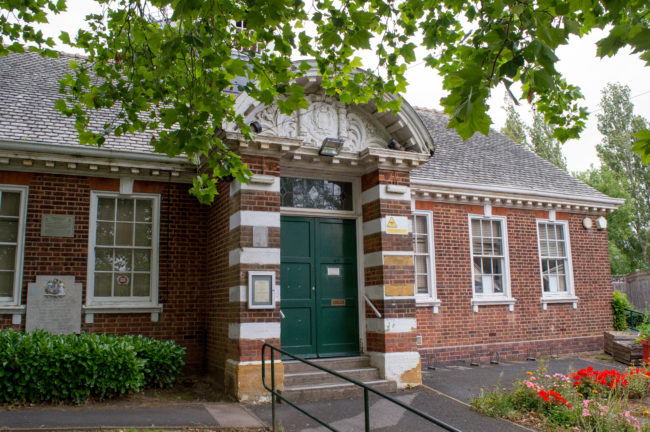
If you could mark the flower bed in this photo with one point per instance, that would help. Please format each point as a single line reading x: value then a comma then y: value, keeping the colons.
x: 588, y: 400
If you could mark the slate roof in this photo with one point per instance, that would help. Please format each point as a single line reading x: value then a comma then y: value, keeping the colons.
x: 493, y: 161
x: 29, y: 88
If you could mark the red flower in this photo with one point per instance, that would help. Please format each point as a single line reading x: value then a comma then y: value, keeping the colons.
x: 544, y: 395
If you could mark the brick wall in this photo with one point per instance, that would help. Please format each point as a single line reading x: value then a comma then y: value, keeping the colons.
x: 457, y: 333
x: 181, y: 262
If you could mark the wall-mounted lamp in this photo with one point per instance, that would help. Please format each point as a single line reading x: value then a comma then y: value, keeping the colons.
x: 256, y: 126
x: 331, y: 147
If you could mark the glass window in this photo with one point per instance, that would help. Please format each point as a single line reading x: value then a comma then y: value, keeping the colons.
x: 316, y: 194
x: 421, y: 254
x: 553, y: 250
x: 488, y: 256
x: 124, y: 248
x: 11, y: 228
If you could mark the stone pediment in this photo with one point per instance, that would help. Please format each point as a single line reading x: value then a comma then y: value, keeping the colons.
x: 360, y: 126
x: 325, y: 118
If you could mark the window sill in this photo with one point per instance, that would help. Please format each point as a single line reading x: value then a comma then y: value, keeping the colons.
x: 487, y: 301
x: 16, y: 312
x: 91, y: 310
x: 564, y: 299
x: 428, y: 302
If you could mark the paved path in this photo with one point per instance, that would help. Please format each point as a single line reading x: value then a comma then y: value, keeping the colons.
x: 446, y: 394
x: 212, y: 415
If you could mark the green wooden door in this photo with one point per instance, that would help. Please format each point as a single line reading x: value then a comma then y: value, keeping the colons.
x: 319, y: 287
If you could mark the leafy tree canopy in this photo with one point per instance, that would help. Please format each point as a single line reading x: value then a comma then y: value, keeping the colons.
x: 538, y: 138
x: 167, y: 65
x: 623, y: 175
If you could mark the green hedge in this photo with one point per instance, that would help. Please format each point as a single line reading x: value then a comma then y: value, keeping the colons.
x: 619, y: 304
x: 39, y: 366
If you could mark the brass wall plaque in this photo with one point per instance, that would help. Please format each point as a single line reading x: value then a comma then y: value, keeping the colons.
x: 337, y: 302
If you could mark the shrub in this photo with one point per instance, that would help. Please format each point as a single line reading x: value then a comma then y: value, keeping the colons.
x: 39, y: 366
x: 619, y: 304
x: 164, y: 360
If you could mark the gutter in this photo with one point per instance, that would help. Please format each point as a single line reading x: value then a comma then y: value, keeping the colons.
x: 615, y: 202
x: 21, y: 146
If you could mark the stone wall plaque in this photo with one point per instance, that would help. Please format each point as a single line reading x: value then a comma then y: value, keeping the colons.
x: 53, y: 225
x: 54, y: 305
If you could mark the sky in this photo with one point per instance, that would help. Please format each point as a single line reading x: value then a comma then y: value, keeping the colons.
x: 578, y: 63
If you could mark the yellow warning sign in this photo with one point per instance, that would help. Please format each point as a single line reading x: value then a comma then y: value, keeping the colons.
x: 397, y: 225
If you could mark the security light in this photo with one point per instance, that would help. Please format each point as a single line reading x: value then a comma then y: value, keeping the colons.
x: 395, y: 145
x: 256, y: 127
x: 331, y: 147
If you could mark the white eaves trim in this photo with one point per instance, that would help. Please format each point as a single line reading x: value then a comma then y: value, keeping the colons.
x: 429, y: 185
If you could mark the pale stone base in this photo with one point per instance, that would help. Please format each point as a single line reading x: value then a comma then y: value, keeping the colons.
x: 243, y: 380
x: 401, y: 367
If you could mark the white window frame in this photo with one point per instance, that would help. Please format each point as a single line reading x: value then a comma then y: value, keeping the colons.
x: 12, y: 304
x: 124, y: 304
x: 430, y: 298
x: 557, y: 297
x: 492, y: 299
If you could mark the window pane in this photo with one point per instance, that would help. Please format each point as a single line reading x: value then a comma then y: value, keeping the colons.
x: 124, y: 234
x: 552, y: 248
x: 310, y: 193
x: 559, y: 232
x: 142, y: 260
x: 6, y: 284
x: 8, y: 231
x: 546, y: 284
x: 487, y: 266
x: 7, y: 257
x: 122, y: 285
x: 476, y: 228
x: 103, y: 284
x: 478, y: 283
x: 105, y: 233
x: 125, y: 210
x: 143, y: 234
x: 487, y: 247
x: 420, y: 224
x: 103, y: 259
x: 421, y: 284
x: 421, y: 264
x: 106, y: 209
x: 498, y: 284
x: 143, y: 211
x: 497, y: 247
x: 543, y: 234
x: 141, y: 284
x: 551, y: 232
x: 476, y: 246
x: 543, y: 245
x: 122, y: 261
x: 496, y: 229
x: 497, y: 266
x: 477, y: 266
x: 562, y: 283
x: 486, y: 228
x: 9, y: 203
x: 561, y: 251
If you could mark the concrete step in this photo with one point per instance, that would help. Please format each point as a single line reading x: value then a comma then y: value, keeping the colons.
x: 316, y: 376
x: 311, y: 393
x: 338, y: 363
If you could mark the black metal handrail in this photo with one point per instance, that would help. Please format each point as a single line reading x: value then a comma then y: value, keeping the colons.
x: 635, y: 318
x: 366, y: 390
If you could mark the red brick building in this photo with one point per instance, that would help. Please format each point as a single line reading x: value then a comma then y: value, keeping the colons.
x: 433, y: 250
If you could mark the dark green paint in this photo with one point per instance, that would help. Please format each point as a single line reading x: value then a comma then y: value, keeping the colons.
x: 313, y: 326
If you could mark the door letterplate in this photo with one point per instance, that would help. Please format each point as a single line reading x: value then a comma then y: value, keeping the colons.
x: 337, y: 302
